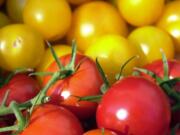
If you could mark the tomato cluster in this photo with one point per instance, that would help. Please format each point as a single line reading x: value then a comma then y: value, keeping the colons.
x: 90, y: 67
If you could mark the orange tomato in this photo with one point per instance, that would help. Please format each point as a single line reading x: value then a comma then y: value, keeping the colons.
x: 99, y: 132
x: 51, y: 17
x: 140, y: 12
x: 92, y: 20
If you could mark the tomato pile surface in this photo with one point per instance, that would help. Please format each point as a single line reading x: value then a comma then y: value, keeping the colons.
x: 90, y: 67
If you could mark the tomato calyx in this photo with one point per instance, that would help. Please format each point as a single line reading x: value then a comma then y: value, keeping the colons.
x: 40, y: 98
x: 166, y: 83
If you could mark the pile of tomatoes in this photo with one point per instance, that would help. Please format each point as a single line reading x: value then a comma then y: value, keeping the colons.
x: 90, y: 67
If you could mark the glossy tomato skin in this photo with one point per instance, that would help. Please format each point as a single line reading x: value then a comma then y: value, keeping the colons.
x: 170, y: 21
x: 86, y: 81
x: 131, y: 103
x: 20, y: 47
x: 55, y: 120
x: 140, y: 12
x: 51, y: 17
x: 157, y: 68
x: 150, y: 40
x: 99, y: 132
x: 88, y: 25
x: 21, y: 88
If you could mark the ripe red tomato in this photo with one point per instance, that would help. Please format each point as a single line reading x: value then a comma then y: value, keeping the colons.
x: 134, y: 106
x: 157, y: 68
x: 53, y: 120
x: 21, y: 88
x: 86, y: 81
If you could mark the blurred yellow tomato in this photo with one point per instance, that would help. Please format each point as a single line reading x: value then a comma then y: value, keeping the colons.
x: 112, y: 52
x: 20, y: 47
x: 149, y: 40
x: 140, y: 12
x: 48, y: 57
x: 77, y: 2
x: 4, y: 20
x: 15, y: 9
x: 170, y: 22
x: 92, y: 20
x: 50, y: 17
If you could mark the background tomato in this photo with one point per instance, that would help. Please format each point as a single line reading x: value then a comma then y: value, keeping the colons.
x: 88, y: 25
x: 51, y: 17
x: 150, y: 40
x: 4, y: 20
x: 86, y: 81
x: 130, y: 103
x: 112, y: 52
x: 20, y: 47
x: 170, y: 22
x: 21, y: 88
x: 54, y: 120
x: 77, y: 2
x: 140, y: 12
x: 15, y: 9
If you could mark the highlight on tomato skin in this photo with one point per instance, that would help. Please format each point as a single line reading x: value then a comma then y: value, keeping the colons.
x: 85, y: 81
x: 87, y: 25
x: 130, y: 103
x: 51, y: 119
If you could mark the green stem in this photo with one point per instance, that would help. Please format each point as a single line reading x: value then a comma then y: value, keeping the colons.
x: 165, y: 66
x: 5, y: 98
x: 10, y: 128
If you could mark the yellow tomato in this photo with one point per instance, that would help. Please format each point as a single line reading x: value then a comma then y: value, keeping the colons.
x: 4, y: 20
x: 50, y: 17
x: 112, y: 52
x: 77, y: 2
x: 170, y: 22
x: 48, y: 58
x: 20, y: 47
x: 149, y: 40
x: 140, y: 12
x: 92, y: 20
x: 15, y: 9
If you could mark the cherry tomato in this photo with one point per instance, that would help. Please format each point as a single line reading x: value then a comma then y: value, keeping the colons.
x: 112, y: 52
x: 157, y: 68
x: 15, y: 9
x: 20, y: 47
x: 88, y: 25
x: 150, y: 40
x: 131, y: 103
x: 51, y: 17
x: 170, y: 22
x: 86, y: 81
x: 48, y: 58
x: 21, y: 88
x: 54, y: 120
x: 99, y: 132
x: 140, y: 12
x: 77, y: 2
x: 4, y: 20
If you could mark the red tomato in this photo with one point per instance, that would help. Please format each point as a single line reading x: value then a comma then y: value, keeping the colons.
x: 134, y: 106
x: 86, y: 81
x: 21, y: 88
x: 157, y: 68
x: 53, y: 120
